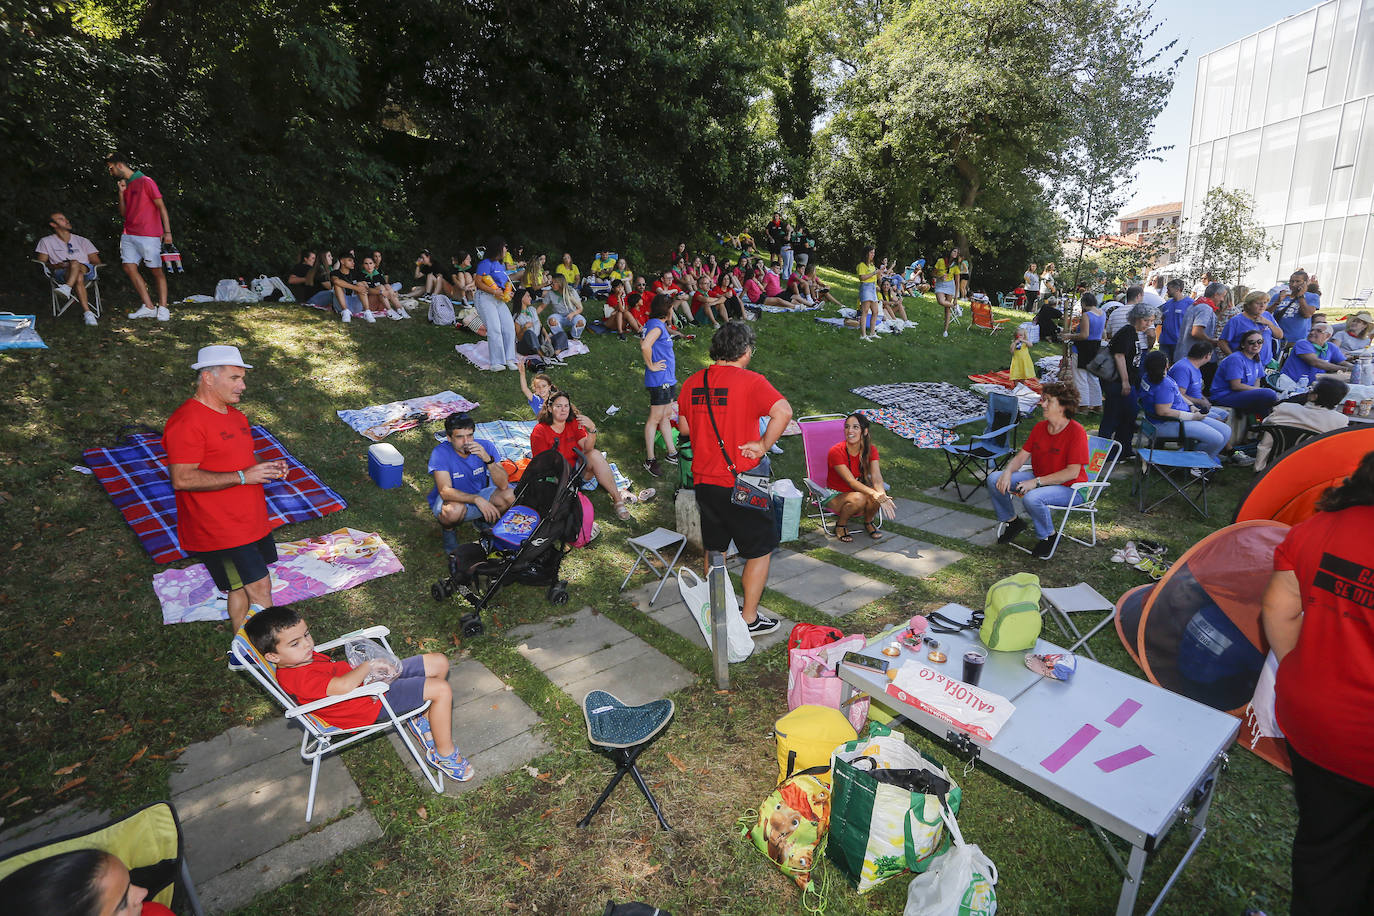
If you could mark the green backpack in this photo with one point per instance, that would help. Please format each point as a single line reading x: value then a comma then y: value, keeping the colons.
x: 1011, y: 617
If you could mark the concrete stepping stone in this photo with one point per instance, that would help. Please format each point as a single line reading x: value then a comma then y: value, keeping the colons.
x: 670, y: 611
x: 492, y: 726
x: 908, y: 556
x: 964, y: 527
x: 51, y: 824
x: 589, y: 651
x: 978, y: 499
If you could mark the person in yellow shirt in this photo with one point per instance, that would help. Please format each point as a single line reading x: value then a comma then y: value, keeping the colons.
x: 867, y: 273
x: 602, y: 265
x: 946, y: 276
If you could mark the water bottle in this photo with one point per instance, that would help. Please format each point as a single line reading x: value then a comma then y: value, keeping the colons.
x: 1366, y: 371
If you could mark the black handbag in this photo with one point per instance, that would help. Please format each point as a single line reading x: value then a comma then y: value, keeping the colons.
x: 752, y: 491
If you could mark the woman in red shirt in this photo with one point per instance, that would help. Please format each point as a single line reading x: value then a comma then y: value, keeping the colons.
x: 854, y: 475
x: 1058, y: 451
x: 561, y: 428
x: 620, y: 316
x: 1318, y: 615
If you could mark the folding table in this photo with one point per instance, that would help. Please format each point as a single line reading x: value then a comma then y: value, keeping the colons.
x: 1130, y: 757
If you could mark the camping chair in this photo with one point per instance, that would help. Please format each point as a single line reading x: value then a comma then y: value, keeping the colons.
x: 980, y: 455
x: 62, y: 301
x: 1102, y: 458
x: 982, y: 317
x: 1277, y: 440
x: 1170, y: 465
x: 819, y: 433
x: 1060, y: 603
x: 624, y: 732
x: 148, y: 841
x: 321, y: 738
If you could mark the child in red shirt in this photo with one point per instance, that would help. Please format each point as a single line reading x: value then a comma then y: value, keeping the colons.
x: 283, y: 639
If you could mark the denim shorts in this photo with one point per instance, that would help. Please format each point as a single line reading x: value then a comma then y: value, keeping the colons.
x: 407, y: 692
x: 436, y: 505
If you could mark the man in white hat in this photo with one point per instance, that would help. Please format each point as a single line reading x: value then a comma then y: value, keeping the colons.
x: 221, y: 508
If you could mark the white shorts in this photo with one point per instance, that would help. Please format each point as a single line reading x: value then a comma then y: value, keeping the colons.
x: 145, y: 248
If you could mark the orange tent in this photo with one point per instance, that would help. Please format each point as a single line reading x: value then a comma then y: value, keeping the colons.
x: 1288, y: 491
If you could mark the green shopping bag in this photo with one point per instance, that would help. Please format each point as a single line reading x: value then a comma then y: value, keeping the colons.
x: 885, y: 816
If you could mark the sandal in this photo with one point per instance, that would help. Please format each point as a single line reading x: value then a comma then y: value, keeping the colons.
x: 622, y: 511
x: 646, y: 494
x: 846, y: 536
x: 873, y: 531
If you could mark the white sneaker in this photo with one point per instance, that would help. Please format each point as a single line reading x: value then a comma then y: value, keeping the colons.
x: 499, y: 367
x: 393, y: 315
x: 163, y: 314
x: 346, y: 317
x: 143, y: 312
x: 402, y: 312
x: 946, y: 334
x: 65, y: 290
x: 90, y: 319
x: 512, y: 366
x: 369, y: 317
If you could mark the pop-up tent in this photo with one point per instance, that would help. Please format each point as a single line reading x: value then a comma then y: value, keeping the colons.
x: 1197, y: 631
x: 1289, y: 489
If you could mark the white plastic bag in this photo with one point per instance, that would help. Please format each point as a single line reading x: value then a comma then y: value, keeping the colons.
x: 696, y: 594
x: 386, y: 667
x: 960, y: 883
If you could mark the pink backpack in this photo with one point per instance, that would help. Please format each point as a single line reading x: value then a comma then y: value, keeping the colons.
x: 588, y: 529
x: 812, y: 679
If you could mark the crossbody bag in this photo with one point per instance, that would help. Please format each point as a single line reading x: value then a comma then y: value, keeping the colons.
x: 751, y: 491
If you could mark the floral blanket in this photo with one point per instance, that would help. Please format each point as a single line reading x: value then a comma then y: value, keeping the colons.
x: 925, y: 435
x: 376, y: 423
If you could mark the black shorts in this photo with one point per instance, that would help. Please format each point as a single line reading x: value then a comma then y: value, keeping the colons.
x: 235, y: 567
x: 661, y: 394
x: 755, y: 533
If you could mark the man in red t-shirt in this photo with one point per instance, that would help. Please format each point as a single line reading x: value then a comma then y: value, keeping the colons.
x: 719, y: 408
x: 1318, y: 615
x: 146, y: 227
x: 221, y: 508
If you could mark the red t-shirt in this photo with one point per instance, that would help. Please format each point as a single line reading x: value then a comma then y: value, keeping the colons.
x: 641, y: 311
x: 660, y: 288
x: 1325, y: 686
x: 140, y: 213
x: 738, y: 398
x: 308, y: 683
x: 615, y: 300
x: 215, y: 519
x: 544, y: 438
x: 153, y: 908
x: 1051, y: 453
x: 838, y: 455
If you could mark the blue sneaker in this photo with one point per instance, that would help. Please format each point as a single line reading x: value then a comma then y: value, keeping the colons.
x: 455, y: 765
x: 419, y: 727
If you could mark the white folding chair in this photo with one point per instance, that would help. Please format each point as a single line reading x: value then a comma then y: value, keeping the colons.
x: 1102, y: 457
x: 1077, y: 599
x: 62, y: 301
x: 656, y: 542
x: 321, y: 738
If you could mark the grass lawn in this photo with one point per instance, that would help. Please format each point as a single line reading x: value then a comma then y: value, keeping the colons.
x: 101, y: 697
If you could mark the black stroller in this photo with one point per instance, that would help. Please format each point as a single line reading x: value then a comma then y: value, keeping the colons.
x: 546, y: 506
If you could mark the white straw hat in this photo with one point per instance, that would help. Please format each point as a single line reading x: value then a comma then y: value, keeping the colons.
x: 219, y: 355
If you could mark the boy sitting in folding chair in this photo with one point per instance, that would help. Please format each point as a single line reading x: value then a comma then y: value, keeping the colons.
x: 283, y: 638
x: 71, y: 258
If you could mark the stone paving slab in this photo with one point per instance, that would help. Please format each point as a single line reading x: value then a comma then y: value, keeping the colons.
x: 960, y: 525
x: 978, y: 499
x: 607, y: 656
x: 914, y: 513
x: 676, y: 616
x: 51, y: 824
x: 908, y: 556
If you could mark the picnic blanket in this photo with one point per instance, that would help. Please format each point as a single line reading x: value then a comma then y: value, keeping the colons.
x: 20, y: 332
x: 925, y: 435
x: 512, y: 440
x: 1029, y: 400
x: 476, y: 353
x: 376, y: 423
x: 136, y: 477
x: 776, y: 308
x: 938, y: 403
x: 1003, y: 377
x: 307, y: 568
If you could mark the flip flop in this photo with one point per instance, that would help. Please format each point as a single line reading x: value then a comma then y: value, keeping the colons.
x: 873, y: 531
x: 622, y: 512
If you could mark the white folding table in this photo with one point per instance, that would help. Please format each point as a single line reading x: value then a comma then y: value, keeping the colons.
x: 1130, y: 757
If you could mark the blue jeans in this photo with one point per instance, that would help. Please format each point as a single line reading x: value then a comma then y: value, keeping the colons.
x: 1210, y: 433
x: 323, y: 297
x: 1037, y: 502
x: 786, y: 262
x: 572, y: 325
x: 1259, y: 400
x: 496, y: 315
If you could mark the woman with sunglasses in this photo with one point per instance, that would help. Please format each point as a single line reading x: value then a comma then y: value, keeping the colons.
x: 1238, y: 382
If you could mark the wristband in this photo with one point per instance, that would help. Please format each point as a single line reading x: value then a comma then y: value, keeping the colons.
x: 242, y: 480
x: 489, y: 462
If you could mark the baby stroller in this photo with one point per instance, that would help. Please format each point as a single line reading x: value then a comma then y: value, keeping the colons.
x: 527, y: 544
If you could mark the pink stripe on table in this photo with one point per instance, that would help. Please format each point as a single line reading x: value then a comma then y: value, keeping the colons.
x: 1123, y: 713
x: 1071, y: 748
x: 1125, y: 758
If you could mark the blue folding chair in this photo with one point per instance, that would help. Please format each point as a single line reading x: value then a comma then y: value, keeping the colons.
x: 1186, y: 471
x: 982, y: 454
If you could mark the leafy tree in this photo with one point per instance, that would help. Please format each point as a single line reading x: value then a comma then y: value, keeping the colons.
x: 1227, y: 239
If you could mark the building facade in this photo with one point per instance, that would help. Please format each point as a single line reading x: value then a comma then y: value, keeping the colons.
x: 1287, y: 115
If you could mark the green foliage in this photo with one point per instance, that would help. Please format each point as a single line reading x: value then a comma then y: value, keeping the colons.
x: 1227, y: 239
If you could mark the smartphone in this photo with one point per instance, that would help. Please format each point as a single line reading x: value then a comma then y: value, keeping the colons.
x: 876, y: 665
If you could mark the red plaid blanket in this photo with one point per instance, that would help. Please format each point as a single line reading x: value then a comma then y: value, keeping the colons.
x: 135, y: 475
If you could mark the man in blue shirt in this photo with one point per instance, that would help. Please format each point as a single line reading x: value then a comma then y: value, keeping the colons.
x: 1294, y: 307
x: 1171, y: 318
x: 469, y: 481
x: 1313, y: 356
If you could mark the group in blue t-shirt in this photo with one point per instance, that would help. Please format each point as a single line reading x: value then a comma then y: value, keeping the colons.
x: 1299, y: 371
x: 1171, y: 321
x: 468, y: 472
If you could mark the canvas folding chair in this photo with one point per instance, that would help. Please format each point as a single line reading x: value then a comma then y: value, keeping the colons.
x: 656, y: 542
x: 1102, y: 458
x: 1276, y: 440
x: 148, y: 841
x: 1174, y: 467
x: 62, y: 301
x: 982, y: 453
x: 981, y: 317
x: 321, y: 738
x: 624, y: 732
x: 819, y: 433
x: 1061, y: 603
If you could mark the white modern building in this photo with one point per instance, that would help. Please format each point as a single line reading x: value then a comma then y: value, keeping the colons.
x: 1287, y: 114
